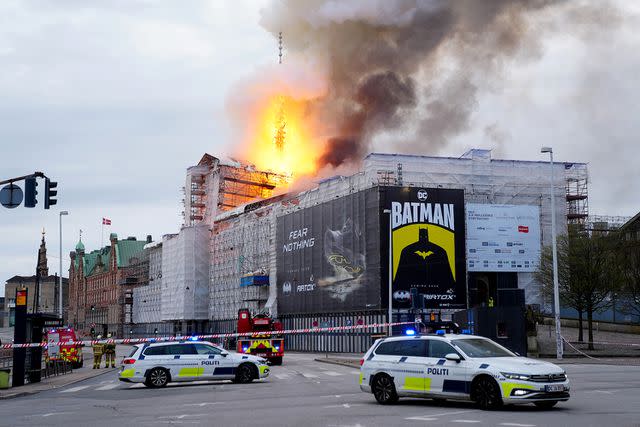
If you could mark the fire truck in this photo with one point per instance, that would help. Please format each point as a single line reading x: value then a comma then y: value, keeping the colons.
x: 71, y: 353
x: 270, y: 346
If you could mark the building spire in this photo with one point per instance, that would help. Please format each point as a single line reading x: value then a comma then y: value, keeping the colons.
x: 43, y: 269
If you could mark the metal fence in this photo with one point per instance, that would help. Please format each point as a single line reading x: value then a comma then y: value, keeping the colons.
x: 357, y: 341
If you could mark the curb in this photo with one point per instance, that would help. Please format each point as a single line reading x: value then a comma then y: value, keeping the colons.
x: 73, y: 381
x: 348, y: 364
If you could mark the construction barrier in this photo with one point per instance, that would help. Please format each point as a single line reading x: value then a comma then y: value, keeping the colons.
x: 209, y: 336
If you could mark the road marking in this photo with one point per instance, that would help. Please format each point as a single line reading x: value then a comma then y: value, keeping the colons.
x: 74, y: 389
x: 179, y: 417
x: 343, y: 405
x: 421, y: 419
x: 602, y: 391
x: 332, y: 373
x: 56, y: 413
x: 465, y: 421
x: 442, y: 414
x: 309, y: 375
x: 282, y: 376
x: 203, y: 404
x: 136, y: 386
x: 108, y: 387
x: 355, y: 372
x: 517, y: 425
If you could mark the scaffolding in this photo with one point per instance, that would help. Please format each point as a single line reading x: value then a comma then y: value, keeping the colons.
x: 577, y: 193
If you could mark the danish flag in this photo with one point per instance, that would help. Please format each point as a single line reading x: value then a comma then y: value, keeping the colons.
x: 106, y: 221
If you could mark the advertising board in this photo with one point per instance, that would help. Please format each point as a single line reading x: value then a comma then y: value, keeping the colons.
x: 328, y: 256
x: 503, y: 237
x: 428, y: 246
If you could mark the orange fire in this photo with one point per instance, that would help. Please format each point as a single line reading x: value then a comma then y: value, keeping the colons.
x: 281, y: 140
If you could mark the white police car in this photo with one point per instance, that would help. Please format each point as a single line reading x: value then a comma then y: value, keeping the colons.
x: 156, y: 364
x: 459, y: 367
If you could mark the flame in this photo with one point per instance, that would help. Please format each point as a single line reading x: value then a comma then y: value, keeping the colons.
x: 281, y: 140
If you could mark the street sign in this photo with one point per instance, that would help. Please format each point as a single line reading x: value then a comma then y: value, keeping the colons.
x: 21, y: 297
x: 11, y: 196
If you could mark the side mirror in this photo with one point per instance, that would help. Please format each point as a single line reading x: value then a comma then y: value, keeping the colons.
x: 453, y: 357
x: 224, y: 354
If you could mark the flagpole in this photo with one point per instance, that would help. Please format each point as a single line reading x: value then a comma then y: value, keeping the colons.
x: 102, y: 235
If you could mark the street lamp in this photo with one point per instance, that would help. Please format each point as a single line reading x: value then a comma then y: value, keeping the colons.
x: 556, y: 291
x: 60, y: 276
x: 388, y: 211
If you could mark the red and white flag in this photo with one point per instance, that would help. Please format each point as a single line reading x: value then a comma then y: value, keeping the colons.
x: 106, y: 221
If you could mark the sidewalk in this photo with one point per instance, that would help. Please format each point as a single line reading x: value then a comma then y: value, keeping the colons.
x: 608, y: 344
x: 77, y: 375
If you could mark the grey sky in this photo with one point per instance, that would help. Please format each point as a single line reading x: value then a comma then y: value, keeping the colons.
x: 115, y: 99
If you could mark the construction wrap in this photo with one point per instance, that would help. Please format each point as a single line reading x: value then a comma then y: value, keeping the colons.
x: 210, y: 336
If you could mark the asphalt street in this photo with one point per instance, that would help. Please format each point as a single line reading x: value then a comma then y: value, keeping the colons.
x: 303, y: 392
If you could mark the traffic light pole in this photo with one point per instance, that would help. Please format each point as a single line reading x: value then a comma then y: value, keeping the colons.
x: 20, y: 178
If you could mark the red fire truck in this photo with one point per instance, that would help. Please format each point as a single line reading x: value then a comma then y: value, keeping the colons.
x: 269, y: 346
x: 71, y: 353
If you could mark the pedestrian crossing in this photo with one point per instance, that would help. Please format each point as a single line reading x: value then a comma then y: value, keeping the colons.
x: 278, y: 374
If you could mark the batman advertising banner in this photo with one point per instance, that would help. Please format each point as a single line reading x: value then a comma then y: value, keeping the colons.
x: 328, y: 256
x: 428, y: 247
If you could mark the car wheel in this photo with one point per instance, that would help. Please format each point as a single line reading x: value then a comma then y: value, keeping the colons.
x: 157, y: 377
x: 244, y: 374
x: 485, y: 393
x: 384, y: 390
x: 546, y: 404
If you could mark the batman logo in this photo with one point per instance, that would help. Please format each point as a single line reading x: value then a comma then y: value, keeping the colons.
x: 424, y: 254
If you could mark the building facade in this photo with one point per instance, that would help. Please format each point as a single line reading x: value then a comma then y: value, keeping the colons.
x: 98, y: 285
x: 41, y: 285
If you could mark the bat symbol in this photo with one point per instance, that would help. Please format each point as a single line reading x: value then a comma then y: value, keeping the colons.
x: 424, y: 254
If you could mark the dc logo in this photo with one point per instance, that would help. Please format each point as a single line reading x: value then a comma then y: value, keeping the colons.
x: 422, y: 195
x: 286, y: 287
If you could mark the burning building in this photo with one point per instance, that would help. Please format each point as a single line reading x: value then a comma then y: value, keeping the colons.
x: 320, y: 256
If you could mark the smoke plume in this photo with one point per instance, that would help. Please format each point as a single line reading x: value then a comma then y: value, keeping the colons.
x: 410, y: 65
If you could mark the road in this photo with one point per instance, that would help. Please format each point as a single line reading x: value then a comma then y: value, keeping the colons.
x: 303, y: 392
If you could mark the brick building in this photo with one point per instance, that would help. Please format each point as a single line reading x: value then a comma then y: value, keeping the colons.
x: 99, y: 281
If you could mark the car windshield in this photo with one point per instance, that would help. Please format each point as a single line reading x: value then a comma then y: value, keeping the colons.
x: 478, y: 347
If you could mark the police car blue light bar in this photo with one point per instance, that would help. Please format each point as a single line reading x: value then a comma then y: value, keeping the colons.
x: 440, y: 332
x: 410, y: 332
x: 194, y: 338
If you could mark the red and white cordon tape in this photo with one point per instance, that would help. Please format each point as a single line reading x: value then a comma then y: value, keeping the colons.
x: 209, y: 336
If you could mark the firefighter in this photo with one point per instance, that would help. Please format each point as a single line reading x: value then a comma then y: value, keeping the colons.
x: 110, y: 353
x: 98, y: 349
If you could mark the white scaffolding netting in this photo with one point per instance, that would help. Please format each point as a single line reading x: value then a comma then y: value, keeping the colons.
x: 185, y: 273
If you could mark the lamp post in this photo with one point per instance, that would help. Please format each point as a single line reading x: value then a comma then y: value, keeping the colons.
x: 60, y: 275
x: 388, y: 211
x: 556, y: 291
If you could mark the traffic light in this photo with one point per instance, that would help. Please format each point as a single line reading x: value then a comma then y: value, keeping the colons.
x: 50, y: 193
x: 93, y: 332
x: 30, y: 193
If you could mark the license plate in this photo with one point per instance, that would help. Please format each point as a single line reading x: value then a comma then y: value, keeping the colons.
x: 554, y: 388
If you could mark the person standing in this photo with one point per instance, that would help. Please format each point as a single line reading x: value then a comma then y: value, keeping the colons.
x: 98, y: 350
x: 110, y: 352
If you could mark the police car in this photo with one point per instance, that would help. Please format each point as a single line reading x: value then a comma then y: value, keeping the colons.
x: 459, y: 367
x: 156, y: 364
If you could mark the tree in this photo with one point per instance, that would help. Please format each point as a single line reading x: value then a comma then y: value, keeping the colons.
x: 588, y: 273
x: 629, y: 260
x: 571, y: 294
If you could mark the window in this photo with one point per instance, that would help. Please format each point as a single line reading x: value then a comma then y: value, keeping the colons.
x: 156, y: 351
x: 413, y: 347
x: 207, y: 349
x: 181, y: 349
x: 440, y: 349
x: 478, y: 347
